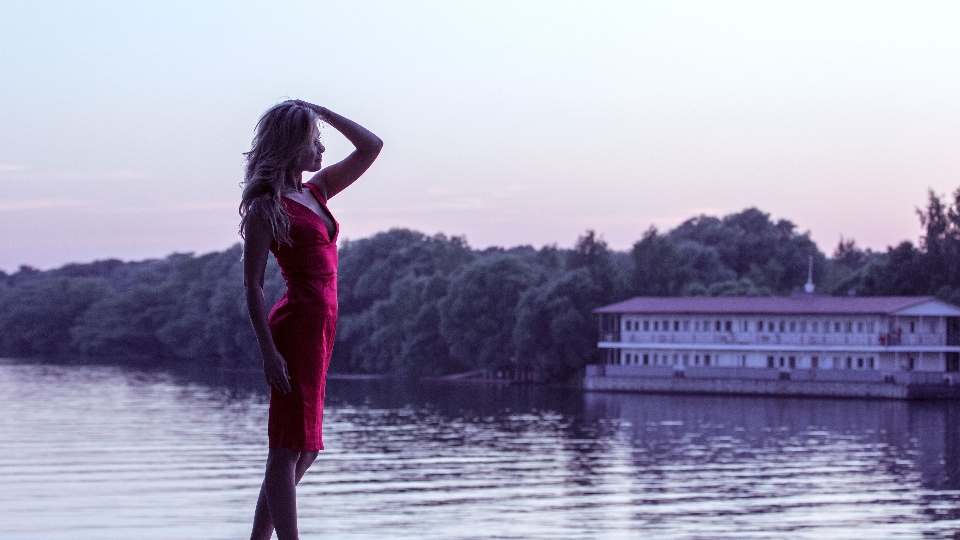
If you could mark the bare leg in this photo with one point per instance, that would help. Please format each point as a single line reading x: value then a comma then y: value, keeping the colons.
x: 278, y: 463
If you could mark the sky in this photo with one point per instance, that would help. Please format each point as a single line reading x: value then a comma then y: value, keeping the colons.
x: 123, y: 124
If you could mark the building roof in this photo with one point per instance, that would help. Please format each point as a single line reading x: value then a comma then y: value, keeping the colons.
x: 779, y: 305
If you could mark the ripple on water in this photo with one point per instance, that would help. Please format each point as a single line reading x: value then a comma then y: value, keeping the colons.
x: 102, y: 452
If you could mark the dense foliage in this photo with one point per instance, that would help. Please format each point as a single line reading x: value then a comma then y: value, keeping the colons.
x: 419, y: 305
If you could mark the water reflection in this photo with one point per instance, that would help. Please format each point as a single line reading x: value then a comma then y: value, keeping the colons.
x: 102, y: 452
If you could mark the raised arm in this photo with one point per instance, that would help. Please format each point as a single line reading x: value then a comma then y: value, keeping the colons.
x: 256, y: 247
x: 335, y: 178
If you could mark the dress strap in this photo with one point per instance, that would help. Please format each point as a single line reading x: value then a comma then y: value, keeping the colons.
x: 316, y: 191
x: 323, y: 204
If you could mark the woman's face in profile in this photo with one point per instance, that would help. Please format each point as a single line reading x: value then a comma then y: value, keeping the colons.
x: 312, y: 153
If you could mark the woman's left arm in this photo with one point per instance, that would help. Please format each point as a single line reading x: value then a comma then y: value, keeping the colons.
x: 335, y: 178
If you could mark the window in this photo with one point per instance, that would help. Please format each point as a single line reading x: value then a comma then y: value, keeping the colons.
x: 769, y: 361
x: 728, y: 326
x: 686, y: 326
x: 716, y: 326
x: 706, y: 359
x: 813, y: 326
x: 870, y: 363
x: 686, y: 359
x: 849, y: 362
x: 913, y: 327
x: 793, y: 362
x: 665, y: 326
x: 803, y: 326
x: 759, y: 326
x: 646, y: 326
x: 814, y: 362
x: 860, y: 327
x: 793, y: 326
x: 646, y: 359
x: 696, y: 359
x: 836, y: 327
x: 859, y: 363
x: 933, y: 326
x: 675, y: 358
x: 676, y: 326
x: 656, y: 326
x: 782, y: 361
x: 783, y: 326
x: 871, y: 327
x: 848, y: 327
x: 770, y: 326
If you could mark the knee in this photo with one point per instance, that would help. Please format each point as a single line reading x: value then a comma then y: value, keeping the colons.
x: 282, y: 458
x: 307, y: 457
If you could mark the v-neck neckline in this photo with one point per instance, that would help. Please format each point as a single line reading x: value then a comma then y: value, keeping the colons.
x: 336, y: 226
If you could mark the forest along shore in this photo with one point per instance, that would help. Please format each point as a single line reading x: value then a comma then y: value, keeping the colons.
x: 430, y: 306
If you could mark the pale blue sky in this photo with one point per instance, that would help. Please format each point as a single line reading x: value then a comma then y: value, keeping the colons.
x: 122, y: 123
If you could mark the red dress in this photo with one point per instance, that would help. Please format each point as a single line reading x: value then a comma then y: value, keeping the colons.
x: 303, y: 324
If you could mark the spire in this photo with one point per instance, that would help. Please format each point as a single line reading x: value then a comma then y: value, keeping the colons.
x: 809, y: 286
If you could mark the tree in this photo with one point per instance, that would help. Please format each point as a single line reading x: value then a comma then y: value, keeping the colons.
x: 478, y: 314
x: 656, y: 261
x: 36, y: 317
x: 555, y: 332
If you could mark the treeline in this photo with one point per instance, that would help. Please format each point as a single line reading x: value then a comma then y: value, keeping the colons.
x: 422, y: 305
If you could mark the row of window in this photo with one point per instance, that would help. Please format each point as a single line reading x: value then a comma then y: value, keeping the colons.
x: 838, y: 362
x: 656, y: 325
x: 665, y: 359
x: 767, y: 326
x: 647, y: 359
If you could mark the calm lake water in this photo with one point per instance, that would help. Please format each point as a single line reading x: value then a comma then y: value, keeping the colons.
x: 105, y: 452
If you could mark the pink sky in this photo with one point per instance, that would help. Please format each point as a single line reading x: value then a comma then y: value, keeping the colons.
x: 122, y: 127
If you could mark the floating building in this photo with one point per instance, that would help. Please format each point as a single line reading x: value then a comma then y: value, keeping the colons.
x: 807, y: 344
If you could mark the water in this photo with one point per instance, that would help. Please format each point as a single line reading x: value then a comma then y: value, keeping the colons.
x: 104, y: 452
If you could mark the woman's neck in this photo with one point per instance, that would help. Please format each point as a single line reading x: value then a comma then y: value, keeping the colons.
x: 294, y: 183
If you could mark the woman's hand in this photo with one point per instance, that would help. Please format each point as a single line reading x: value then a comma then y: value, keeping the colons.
x: 337, y: 177
x: 322, y: 112
x: 275, y: 371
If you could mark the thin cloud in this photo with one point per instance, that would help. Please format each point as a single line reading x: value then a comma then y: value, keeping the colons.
x: 9, y: 205
x: 122, y: 174
x: 210, y: 205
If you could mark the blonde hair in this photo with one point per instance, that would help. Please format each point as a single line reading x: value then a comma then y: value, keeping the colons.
x: 277, y: 142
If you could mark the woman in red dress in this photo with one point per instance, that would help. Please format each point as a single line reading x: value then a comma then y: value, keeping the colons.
x: 283, y: 215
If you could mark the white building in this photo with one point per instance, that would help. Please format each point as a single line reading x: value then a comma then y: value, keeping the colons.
x: 804, y: 337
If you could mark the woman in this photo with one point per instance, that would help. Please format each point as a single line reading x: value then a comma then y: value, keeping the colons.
x: 282, y: 215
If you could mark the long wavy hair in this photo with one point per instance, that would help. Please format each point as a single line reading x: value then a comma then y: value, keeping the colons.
x: 279, y: 138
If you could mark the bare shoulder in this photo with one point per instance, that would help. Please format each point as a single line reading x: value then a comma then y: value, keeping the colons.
x: 257, y: 226
x: 320, y: 182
